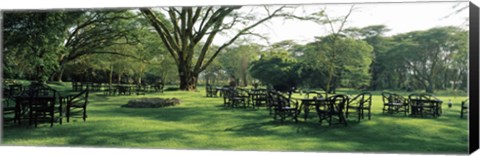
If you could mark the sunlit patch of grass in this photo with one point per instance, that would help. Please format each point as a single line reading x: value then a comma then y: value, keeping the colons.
x: 202, y: 123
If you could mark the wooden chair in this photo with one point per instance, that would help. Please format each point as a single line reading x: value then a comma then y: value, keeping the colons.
x: 8, y: 110
x: 394, y: 103
x: 75, y: 86
x: 42, y: 105
x: 432, y: 105
x: 79, y: 101
x: 285, y: 107
x: 464, y: 108
x: 8, y: 101
x: 237, y: 98
x: 360, y: 103
x: 312, y: 94
x: 140, y: 89
x: 225, y: 92
x: 211, y: 91
x: 158, y: 87
x: 333, y: 110
x: 271, y: 101
x: 258, y: 97
x: 425, y: 104
x: 12, y: 90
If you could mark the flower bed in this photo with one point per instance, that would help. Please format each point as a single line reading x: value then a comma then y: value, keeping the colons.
x: 151, y: 103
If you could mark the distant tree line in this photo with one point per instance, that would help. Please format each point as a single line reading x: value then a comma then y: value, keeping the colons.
x: 363, y: 58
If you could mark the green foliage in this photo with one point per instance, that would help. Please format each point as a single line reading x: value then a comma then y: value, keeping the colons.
x: 277, y: 69
x: 335, y: 61
x: 427, y: 57
x: 236, y: 61
x: 33, y: 42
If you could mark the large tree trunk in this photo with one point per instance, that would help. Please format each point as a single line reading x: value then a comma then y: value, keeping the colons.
x: 110, y: 77
x: 430, y: 87
x: 188, y: 79
x: 244, y: 79
x: 59, y: 73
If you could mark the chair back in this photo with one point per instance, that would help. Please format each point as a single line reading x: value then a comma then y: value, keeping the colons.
x: 415, y: 99
x: 12, y: 90
x: 43, y: 98
x: 363, y: 100
x: 336, y: 103
x: 386, y: 96
x: 283, y: 102
x: 81, y: 97
x: 316, y: 94
x: 465, y: 103
x: 272, y: 97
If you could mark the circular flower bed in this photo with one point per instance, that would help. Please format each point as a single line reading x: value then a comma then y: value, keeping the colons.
x: 151, y: 103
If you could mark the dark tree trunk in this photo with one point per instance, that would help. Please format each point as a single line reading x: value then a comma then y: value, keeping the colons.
x: 110, y: 77
x: 59, y: 73
x: 429, y: 88
x: 188, y: 79
x: 244, y: 79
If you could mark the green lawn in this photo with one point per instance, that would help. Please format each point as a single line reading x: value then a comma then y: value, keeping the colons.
x: 202, y: 123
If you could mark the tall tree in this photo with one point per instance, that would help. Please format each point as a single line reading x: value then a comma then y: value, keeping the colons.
x: 277, y: 69
x: 188, y: 26
x: 237, y: 59
x: 34, y: 39
x: 374, y: 35
x: 336, y: 27
x: 428, y: 54
x: 94, y: 32
x: 332, y: 61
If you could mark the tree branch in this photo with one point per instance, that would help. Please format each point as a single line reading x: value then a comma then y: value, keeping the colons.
x: 240, y: 33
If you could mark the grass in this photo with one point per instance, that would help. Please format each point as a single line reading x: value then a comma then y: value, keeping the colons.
x: 202, y: 123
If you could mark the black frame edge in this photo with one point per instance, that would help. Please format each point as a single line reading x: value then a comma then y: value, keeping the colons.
x: 474, y: 78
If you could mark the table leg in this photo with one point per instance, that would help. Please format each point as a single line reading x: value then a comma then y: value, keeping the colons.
x: 305, y: 110
x: 60, y: 110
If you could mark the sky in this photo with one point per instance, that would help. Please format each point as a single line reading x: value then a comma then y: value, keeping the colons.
x: 398, y: 17
x: 409, y: 15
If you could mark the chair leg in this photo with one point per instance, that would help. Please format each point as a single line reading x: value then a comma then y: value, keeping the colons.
x: 360, y: 115
x: 35, y: 119
x: 52, y: 119
x: 84, y: 113
x: 346, y: 113
x: 68, y: 114
x: 30, y: 116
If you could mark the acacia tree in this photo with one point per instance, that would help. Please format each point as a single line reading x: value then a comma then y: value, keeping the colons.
x: 374, y: 36
x: 335, y: 44
x: 32, y: 42
x: 236, y: 60
x: 430, y: 53
x: 188, y: 26
x: 94, y: 32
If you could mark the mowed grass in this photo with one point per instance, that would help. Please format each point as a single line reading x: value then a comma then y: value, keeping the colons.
x: 203, y: 123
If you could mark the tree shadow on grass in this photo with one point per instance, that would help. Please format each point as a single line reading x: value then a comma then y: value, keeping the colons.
x: 376, y: 136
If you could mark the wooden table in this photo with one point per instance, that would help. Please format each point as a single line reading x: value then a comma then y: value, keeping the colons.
x: 256, y: 98
x: 22, y: 104
x: 434, y: 104
x: 307, y: 102
x: 125, y: 90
